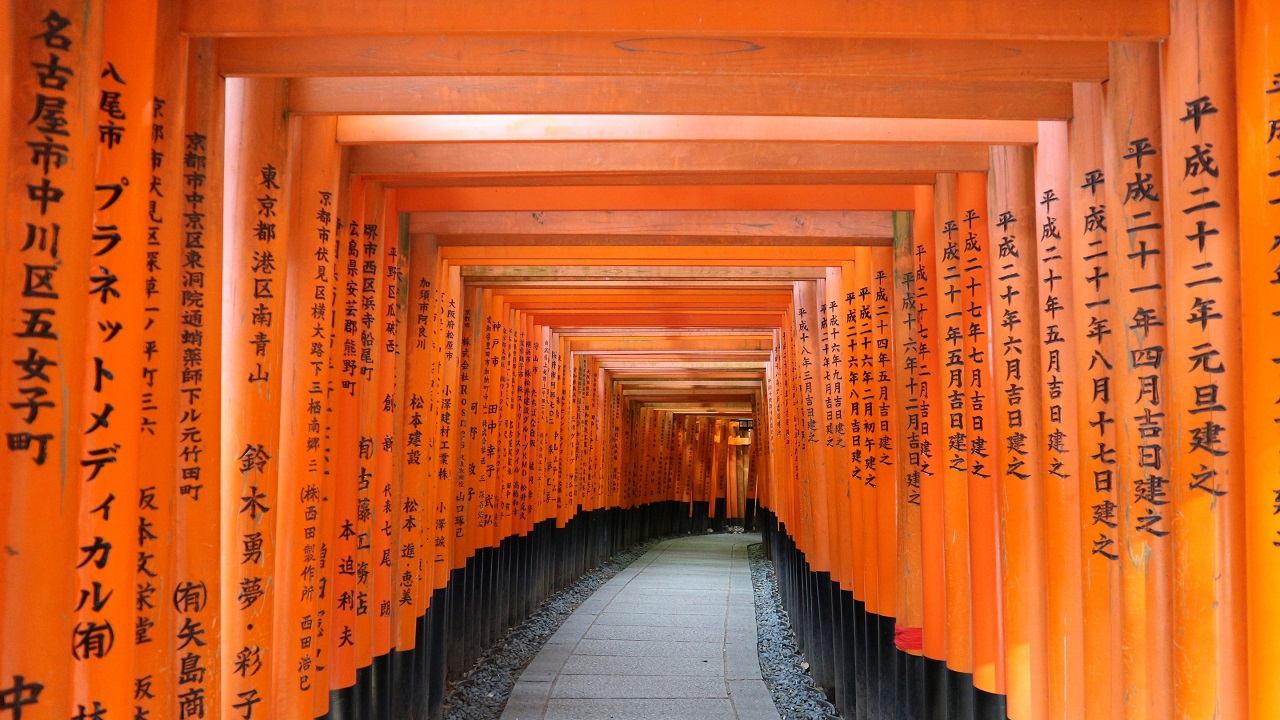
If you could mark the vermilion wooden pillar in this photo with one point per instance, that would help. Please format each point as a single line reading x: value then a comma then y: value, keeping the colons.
x: 161, y: 374
x: 978, y: 389
x: 1015, y: 331
x: 1093, y: 294
x: 302, y: 570
x: 932, y: 418
x: 1206, y: 476
x: 197, y: 625
x: 1064, y: 485
x: 258, y: 233
x: 115, y: 394
x: 1139, y: 320
x: 1258, y: 96
x: 951, y: 388
x: 48, y: 210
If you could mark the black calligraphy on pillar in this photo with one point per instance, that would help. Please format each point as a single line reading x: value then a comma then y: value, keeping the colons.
x: 1203, y: 435
x: 1144, y: 227
x: 34, y: 426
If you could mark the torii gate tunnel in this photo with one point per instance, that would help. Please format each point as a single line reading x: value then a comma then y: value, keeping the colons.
x: 337, y: 335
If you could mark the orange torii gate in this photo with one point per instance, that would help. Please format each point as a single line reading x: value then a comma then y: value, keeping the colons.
x: 334, y: 342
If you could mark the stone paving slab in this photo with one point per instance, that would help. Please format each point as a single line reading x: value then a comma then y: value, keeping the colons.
x: 669, y: 621
x: 637, y: 687
x: 650, y: 648
x: 686, y: 709
x: 640, y: 665
x: 641, y: 632
x: 671, y: 637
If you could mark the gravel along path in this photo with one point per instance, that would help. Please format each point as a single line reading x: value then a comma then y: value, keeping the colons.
x: 483, y: 691
x: 782, y: 665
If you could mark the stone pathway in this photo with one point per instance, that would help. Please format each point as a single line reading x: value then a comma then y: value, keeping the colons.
x: 671, y: 637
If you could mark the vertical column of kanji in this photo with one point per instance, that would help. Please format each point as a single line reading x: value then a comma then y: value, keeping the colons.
x: 394, y: 344
x: 951, y: 386
x: 54, y: 53
x: 1259, y: 137
x: 1137, y: 241
x: 833, y: 385
x: 861, y: 397
x: 468, y: 389
x: 928, y: 373
x: 905, y: 341
x: 197, y: 577
x: 368, y: 622
x: 444, y: 545
x: 1258, y: 100
x: 420, y: 429
x: 157, y: 535
x: 307, y: 269
x: 985, y: 543
x: 433, y: 550
x: 254, y: 285
x: 486, y: 422
x: 1204, y: 411
x: 114, y: 593
x: 1086, y: 322
x: 1059, y: 388
x: 390, y: 402
x: 326, y: 561
x: 1015, y: 327
x: 884, y: 431
x: 815, y: 521
x: 341, y: 667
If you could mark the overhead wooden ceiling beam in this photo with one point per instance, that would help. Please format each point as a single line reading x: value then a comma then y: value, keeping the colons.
x: 850, y: 226
x: 673, y: 319
x: 615, y: 54
x: 602, y: 239
x: 633, y: 180
x: 369, y: 129
x: 668, y: 197
x: 726, y: 19
x: 683, y: 94
x: 559, y: 272
x: 761, y: 159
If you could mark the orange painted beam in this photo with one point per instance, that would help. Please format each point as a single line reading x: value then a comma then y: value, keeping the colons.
x: 757, y: 158
x: 678, y: 255
x: 372, y: 129
x: 659, y: 197
x: 682, y: 95
x: 677, y: 176
x: 853, y: 226
x: 913, y: 18
x: 605, y: 53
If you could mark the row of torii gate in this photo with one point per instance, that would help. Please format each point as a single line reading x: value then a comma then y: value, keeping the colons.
x: 311, y: 309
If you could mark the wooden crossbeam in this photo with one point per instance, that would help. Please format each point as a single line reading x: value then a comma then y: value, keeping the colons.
x: 368, y: 129
x: 850, y: 226
x: 620, y: 54
x: 725, y: 19
x: 635, y: 179
x: 478, y: 270
x: 683, y: 94
x: 670, y: 197
x: 760, y: 158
